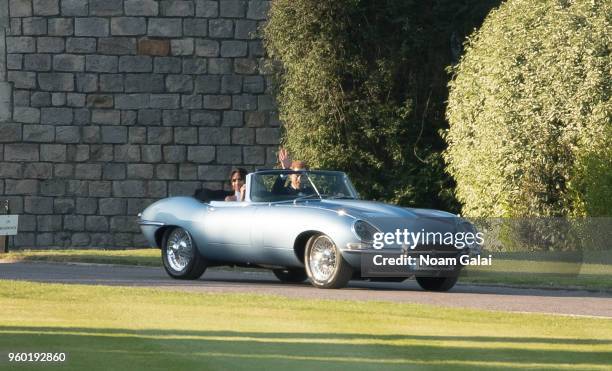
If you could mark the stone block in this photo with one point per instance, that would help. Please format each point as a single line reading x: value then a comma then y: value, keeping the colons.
x: 91, y: 26
x: 175, y: 117
x: 149, y: 117
x: 37, y: 62
x: 244, y: 102
x: 194, y: 66
x: 128, y: 117
x: 38, y: 170
x: 205, y: 118
x: 213, y: 172
x: 49, y: 223
x: 243, y: 136
x: 245, y: 29
x: 232, y: 8
x: 127, y: 153
x: 88, y: 171
x: 99, y: 189
x: 86, y: 82
x: 233, y: 48
x: 159, y: 135
x: 151, y: 153
x: 207, y: 48
x: 181, y: 46
x: 114, y: 134
x: 74, y: 222
x: 101, y: 63
x: 141, y: 7
x: 111, y: 83
x: 174, y: 154
x: 60, y: 26
x: 231, y: 84
x: 233, y: 118
x: 144, y: 83
x: 63, y: 205
x: 86, y: 206
x: 191, y: 101
x: 267, y: 135
x: 165, y: 172
x: 185, y: 135
x: 34, y: 26
x: 182, y: 188
x: 197, y: 27
x: 164, y: 101
x: 80, y: 45
x: 50, y: 44
x: 106, y: 117
x: 67, y: 134
x: 58, y: 99
x: 38, y: 133
x: 221, y: 28
x: 139, y: 171
x: 55, y: 81
x: 101, y: 101
x: 258, y: 9
x: 56, y: 116
x: 167, y: 65
x: 20, y: 8
x: 217, y: 101
x: 188, y: 172
x: 177, y: 8
x: 117, y: 45
x: 128, y: 26
x: 112, y: 206
x: 91, y: 134
x: 214, y: 135
x: 256, y: 49
x: 77, y: 153
x: 96, y: 223
x: 26, y: 115
x: 21, y: 187
x: 22, y: 80
x: 254, y: 155
x: 219, y: 66
x: 105, y: 7
x: 207, y: 8
x: 10, y: 133
x: 253, y: 84
x: 45, y: 7
x: 124, y: 224
x: 207, y: 84
x: 112, y: 171
x: 165, y: 27
x: 131, y: 101
x: 135, y: 64
x: 53, y: 152
x: 14, y: 61
x: 137, y: 135
x: 129, y: 188
x: 53, y: 187
x: 69, y: 62
x: 179, y: 83
x: 74, y: 8
x: 20, y: 44
x: 229, y: 155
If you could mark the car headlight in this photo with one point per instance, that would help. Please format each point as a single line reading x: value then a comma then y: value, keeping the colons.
x: 364, y: 231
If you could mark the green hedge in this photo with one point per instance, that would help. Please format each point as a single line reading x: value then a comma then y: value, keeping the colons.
x: 530, y: 114
x: 361, y: 87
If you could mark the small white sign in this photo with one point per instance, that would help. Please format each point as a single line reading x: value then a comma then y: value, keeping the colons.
x: 8, y: 225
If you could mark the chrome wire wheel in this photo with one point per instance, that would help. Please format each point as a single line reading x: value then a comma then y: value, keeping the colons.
x: 179, y: 252
x: 323, y: 259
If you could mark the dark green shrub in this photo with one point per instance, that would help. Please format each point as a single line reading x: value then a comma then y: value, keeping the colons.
x: 361, y: 88
x: 530, y: 114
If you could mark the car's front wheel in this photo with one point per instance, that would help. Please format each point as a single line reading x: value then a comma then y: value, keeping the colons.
x: 437, y: 283
x: 324, y: 263
x: 180, y: 255
x: 290, y: 275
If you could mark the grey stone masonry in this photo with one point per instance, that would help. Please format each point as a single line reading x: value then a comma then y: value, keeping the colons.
x: 109, y: 105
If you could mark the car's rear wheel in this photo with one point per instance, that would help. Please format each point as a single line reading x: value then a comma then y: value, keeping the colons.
x: 180, y: 255
x: 290, y: 275
x: 324, y: 263
x: 437, y: 283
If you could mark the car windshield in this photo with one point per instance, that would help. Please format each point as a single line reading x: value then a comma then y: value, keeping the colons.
x: 288, y: 185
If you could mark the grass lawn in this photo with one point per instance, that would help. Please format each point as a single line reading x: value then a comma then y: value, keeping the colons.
x: 522, y: 269
x: 131, y: 328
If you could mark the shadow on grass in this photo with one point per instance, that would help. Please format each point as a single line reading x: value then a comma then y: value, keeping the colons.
x: 99, y: 348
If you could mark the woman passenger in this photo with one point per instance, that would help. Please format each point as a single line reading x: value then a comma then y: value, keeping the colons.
x: 237, y: 181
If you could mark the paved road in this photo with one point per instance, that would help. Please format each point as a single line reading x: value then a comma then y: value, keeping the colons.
x: 568, y: 302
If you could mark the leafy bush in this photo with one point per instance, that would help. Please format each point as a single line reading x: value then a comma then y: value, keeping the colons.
x: 530, y: 114
x: 361, y: 88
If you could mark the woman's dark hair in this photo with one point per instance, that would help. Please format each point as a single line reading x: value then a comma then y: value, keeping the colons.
x: 242, y: 172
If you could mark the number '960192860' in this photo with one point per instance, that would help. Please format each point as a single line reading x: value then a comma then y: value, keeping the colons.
x: 37, y: 357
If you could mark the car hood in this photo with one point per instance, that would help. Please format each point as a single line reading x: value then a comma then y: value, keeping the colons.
x: 373, y: 209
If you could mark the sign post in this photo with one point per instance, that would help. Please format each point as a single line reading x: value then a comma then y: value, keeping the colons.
x: 8, y: 226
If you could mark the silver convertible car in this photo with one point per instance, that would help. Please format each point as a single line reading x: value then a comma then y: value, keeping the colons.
x: 319, y: 230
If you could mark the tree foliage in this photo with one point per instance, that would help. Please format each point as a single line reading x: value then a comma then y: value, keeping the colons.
x: 530, y: 114
x: 361, y: 87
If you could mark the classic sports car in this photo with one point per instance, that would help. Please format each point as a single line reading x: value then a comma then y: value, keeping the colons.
x: 318, y: 230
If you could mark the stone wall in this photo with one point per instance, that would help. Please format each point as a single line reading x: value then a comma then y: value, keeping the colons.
x: 109, y: 105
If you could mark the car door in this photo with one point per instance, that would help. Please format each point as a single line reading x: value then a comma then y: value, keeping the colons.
x: 228, y: 230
